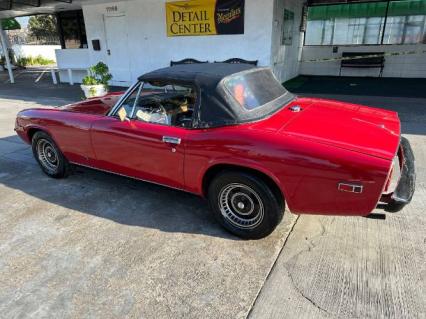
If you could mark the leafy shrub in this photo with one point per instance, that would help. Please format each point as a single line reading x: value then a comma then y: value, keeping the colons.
x: 98, y: 74
x: 31, y: 61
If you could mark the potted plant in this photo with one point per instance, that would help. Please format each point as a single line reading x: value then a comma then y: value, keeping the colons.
x: 96, y: 83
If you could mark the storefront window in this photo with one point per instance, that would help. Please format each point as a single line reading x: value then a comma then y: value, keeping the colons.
x: 363, y: 23
x: 72, y: 30
x: 373, y: 30
x: 287, y: 32
x: 405, y: 30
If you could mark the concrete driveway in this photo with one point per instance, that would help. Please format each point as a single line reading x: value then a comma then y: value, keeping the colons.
x: 96, y: 245
x: 352, y: 267
x: 103, y: 246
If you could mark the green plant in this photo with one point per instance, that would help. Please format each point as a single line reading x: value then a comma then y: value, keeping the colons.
x: 89, y: 80
x: 30, y: 60
x: 98, y: 74
x: 92, y: 91
x: 42, y: 25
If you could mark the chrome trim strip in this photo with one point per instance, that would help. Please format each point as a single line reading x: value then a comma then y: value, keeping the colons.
x: 171, y: 140
x: 356, y: 188
x: 135, y: 178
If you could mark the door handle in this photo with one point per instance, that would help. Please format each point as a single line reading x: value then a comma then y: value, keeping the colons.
x: 171, y: 140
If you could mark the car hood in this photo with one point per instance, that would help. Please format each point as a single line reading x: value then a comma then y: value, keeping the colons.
x: 99, y: 105
x: 363, y: 129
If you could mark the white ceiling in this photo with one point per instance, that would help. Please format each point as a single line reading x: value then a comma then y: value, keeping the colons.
x: 48, y: 6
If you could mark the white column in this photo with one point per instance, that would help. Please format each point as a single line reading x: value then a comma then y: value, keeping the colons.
x: 53, y: 73
x: 70, y: 77
x: 6, y: 53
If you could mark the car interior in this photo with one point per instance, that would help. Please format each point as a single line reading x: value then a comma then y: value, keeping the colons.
x: 161, y: 103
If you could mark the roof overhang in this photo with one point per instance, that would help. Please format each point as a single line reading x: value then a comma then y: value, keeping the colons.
x: 16, y: 8
x: 19, y: 8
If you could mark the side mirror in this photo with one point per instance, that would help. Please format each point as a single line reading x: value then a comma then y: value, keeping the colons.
x: 122, y: 114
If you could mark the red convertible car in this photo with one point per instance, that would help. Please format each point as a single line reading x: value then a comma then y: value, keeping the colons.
x: 233, y: 134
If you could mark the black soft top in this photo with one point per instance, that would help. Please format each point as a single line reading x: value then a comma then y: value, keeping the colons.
x: 201, y: 73
x: 217, y: 106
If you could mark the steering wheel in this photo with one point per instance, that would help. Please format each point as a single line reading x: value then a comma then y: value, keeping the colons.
x: 157, y: 114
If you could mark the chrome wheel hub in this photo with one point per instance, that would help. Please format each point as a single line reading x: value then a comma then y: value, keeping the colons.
x: 241, y: 206
x: 47, y: 155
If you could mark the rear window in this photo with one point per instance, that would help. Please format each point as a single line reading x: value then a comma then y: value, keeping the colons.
x: 254, y: 89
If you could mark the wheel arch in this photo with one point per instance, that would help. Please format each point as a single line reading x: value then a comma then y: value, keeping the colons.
x: 32, y: 130
x: 216, y: 169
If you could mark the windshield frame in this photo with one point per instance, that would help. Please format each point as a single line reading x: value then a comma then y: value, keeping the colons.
x: 116, y: 107
x: 139, y: 86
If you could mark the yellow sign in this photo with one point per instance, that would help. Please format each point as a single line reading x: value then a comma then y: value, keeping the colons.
x: 190, y: 18
x: 204, y: 17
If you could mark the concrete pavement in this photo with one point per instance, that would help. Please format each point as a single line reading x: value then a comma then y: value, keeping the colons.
x: 102, y: 246
x: 354, y: 267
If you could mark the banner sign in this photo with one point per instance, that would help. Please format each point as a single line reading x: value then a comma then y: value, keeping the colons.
x: 205, y: 17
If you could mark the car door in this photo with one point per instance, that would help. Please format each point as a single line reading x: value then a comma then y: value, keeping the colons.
x: 135, y: 148
x: 145, y: 151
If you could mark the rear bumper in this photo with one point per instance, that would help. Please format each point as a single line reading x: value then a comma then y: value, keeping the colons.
x: 403, y: 193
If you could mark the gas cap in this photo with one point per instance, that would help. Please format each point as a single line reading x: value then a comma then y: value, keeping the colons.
x: 296, y: 108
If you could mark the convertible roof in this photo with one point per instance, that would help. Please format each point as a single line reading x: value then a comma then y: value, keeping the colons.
x: 197, y: 72
x: 217, y: 106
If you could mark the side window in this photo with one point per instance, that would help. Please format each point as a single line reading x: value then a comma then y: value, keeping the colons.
x: 165, y: 103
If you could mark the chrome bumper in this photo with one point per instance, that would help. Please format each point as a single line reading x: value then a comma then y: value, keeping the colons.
x: 403, y: 193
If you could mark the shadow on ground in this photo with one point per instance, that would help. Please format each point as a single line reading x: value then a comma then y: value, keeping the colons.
x: 120, y: 199
x: 27, y: 89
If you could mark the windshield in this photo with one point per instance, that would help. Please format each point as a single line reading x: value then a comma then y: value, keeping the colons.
x: 255, y: 88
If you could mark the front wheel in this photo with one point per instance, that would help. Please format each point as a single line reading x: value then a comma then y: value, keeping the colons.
x: 245, y: 204
x: 49, y: 156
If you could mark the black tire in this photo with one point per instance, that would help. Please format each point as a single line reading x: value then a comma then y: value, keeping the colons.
x: 48, y: 155
x: 233, y: 194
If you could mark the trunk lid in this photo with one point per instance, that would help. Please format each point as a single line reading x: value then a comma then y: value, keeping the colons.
x: 363, y: 129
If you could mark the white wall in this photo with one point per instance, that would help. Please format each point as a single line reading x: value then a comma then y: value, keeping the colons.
x: 150, y: 48
x: 406, y: 66
x: 285, y: 58
x: 28, y: 50
x: 74, y: 59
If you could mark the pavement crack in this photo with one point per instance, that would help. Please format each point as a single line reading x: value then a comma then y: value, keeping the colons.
x: 300, y: 292
x: 310, y: 242
x: 273, y: 266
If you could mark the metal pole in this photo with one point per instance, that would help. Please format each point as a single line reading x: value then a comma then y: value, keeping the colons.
x: 6, y: 53
x: 385, y: 22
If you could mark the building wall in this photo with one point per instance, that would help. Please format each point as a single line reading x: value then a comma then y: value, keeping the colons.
x: 405, y: 66
x: 149, y: 47
x: 285, y: 58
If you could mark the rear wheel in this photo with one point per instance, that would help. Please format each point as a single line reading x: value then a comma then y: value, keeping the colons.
x: 245, y: 204
x: 48, y: 155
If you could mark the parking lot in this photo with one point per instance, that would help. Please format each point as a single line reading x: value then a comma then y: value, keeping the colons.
x: 96, y: 245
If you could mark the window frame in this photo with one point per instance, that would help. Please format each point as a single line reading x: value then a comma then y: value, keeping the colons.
x: 384, y: 25
x: 286, y: 23
x: 78, y: 16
